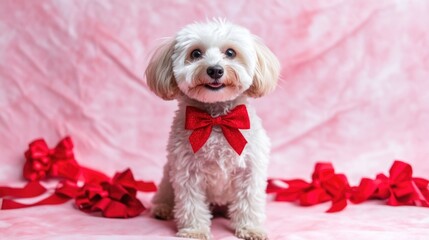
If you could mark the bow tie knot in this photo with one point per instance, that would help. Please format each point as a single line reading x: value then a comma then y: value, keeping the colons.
x: 202, y: 124
x: 217, y: 120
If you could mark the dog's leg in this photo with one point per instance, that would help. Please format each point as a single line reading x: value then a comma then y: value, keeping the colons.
x: 163, y: 201
x: 191, y: 211
x: 247, y: 210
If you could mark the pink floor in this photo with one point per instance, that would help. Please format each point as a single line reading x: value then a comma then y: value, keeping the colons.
x: 354, y: 91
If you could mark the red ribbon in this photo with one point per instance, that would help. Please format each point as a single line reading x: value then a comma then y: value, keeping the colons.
x: 42, y: 162
x: 32, y: 189
x: 112, y: 197
x: 202, y: 124
x: 115, y: 199
x: 399, y: 188
x: 326, y: 186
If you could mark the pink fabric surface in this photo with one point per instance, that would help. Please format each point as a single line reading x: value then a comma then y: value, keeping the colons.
x: 353, y: 91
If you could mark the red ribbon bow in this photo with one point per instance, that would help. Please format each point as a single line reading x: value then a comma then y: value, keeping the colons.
x: 202, y: 124
x: 112, y: 197
x: 115, y: 199
x: 42, y: 162
x: 326, y: 186
x: 400, y: 188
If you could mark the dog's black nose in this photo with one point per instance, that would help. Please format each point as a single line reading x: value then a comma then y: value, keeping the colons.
x: 215, y: 72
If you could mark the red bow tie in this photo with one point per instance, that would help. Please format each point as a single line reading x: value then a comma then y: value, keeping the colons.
x: 202, y: 124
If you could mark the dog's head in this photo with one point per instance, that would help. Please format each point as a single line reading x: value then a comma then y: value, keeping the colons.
x: 212, y: 62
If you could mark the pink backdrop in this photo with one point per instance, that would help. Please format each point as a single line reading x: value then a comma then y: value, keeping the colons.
x: 354, y: 91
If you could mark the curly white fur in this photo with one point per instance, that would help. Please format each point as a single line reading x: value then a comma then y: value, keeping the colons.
x: 215, y: 174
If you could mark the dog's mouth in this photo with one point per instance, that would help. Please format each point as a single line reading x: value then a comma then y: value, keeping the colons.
x: 214, y: 86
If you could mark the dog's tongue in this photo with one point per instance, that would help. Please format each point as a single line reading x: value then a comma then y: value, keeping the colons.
x: 215, y: 85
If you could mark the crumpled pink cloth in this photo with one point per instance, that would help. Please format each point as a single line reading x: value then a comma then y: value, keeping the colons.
x: 353, y: 92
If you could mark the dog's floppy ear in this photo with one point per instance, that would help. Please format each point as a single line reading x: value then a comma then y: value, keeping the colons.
x: 159, y: 72
x: 266, y: 72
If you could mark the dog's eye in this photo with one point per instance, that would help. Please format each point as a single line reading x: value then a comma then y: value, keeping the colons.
x: 196, y: 54
x: 230, y: 53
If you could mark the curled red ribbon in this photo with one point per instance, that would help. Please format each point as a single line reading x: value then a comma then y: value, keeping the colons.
x: 114, y: 197
x: 42, y: 162
x: 326, y: 186
x: 399, y: 188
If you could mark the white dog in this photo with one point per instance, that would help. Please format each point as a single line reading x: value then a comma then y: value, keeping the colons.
x: 218, y: 151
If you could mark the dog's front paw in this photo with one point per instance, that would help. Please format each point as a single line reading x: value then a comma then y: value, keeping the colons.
x: 162, y: 211
x: 251, y: 234
x: 194, y: 233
